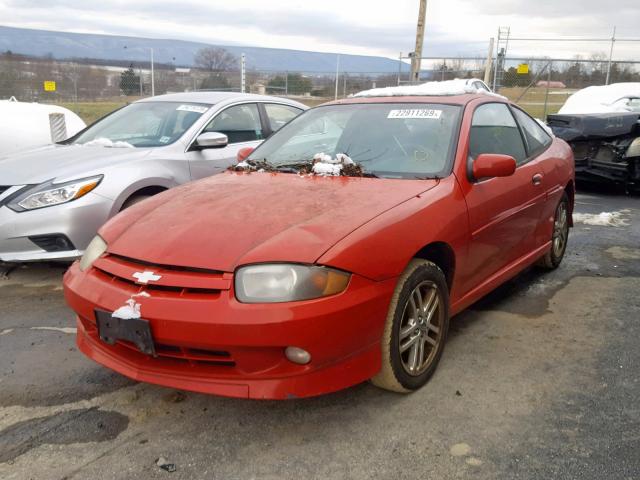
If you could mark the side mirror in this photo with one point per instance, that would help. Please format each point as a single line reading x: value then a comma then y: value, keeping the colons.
x: 212, y: 140
x: 493, y: 165
x: 243, y: 153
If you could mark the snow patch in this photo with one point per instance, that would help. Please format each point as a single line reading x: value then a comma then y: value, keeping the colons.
x: 601, y: 99
x: 70, y: 330
x: 105, y: 142
x: 604, y: 219
x: 327, y: 166
x: 131, y: 308
x: 458, y: 86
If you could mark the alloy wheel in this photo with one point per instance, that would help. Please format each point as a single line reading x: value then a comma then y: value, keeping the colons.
x: 421, y: 328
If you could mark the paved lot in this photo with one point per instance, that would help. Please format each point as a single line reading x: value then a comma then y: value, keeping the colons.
x: 538, y: 381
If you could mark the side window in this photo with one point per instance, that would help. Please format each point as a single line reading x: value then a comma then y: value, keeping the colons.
x: 493, y: 130
x: 241, y: 123
x: 537, y: 138
x: 280, y: 114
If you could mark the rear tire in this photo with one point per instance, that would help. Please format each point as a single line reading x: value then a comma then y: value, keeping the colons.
x: 552, y: 259
x: 416, y: 328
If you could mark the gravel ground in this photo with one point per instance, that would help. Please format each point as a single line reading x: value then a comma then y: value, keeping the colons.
x: 539, y: 380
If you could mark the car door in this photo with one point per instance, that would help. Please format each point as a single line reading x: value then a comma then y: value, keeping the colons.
x: 538, y: 142
x: 242, y: 125
x: 504, y: 212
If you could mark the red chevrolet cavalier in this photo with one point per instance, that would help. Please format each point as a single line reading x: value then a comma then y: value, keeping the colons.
x: 336, y: 253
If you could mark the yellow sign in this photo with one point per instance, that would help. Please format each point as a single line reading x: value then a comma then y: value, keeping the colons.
x: 523, y: 69
x: 49, y: 86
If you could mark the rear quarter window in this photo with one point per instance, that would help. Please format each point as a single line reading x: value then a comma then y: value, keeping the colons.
x: 537, y: 139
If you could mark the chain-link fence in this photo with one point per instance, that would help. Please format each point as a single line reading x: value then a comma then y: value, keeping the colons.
x: 541, y: 86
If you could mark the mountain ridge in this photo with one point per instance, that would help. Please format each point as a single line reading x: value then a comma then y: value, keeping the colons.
x: 69, y: 45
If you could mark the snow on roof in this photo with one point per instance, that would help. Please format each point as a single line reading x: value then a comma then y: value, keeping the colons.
x: 459, y: 86
x: 601, y: 99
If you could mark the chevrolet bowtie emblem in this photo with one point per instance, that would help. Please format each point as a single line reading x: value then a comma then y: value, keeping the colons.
x: 146, y: 277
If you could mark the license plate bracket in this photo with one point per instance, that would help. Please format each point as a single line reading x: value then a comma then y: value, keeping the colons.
x: 134, y: 330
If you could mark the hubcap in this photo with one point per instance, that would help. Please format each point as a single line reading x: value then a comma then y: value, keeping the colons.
x: 560, y: 230
x: 420, y: 328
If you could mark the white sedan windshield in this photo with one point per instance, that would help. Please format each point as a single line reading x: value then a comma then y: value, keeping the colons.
x: 144, y: 124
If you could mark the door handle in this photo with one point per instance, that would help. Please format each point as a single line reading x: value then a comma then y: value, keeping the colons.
x: 537, y: 179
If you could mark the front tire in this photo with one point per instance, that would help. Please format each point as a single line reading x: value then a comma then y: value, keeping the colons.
x: 416, y: 328
x: 552, y: 259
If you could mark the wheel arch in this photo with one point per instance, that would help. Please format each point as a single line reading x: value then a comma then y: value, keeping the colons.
x: 443, y: 256
x: 570, y: 190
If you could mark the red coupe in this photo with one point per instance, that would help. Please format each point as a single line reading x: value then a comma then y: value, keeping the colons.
x: 336, y: 253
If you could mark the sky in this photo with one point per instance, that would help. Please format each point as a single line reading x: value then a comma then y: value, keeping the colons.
x: 453, y: 28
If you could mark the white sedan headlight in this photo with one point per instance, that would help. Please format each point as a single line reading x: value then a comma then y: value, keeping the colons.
x: 272, y: 283
x: 95, y: 249
x: 49, y: 194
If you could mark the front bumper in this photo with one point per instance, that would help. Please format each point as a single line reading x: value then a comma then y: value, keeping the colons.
x: 78, y: 220
x: 208, y: 342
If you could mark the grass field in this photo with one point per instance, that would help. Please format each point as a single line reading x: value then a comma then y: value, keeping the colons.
x: 532, y: 101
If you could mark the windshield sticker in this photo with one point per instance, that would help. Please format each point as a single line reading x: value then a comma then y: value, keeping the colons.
x: 415, y: 113
x: 193, y: 108
x: 164, y: 139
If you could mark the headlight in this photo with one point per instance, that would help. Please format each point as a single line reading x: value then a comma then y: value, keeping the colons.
x: 49, y: 194
x: 634, y: 149
x: 95, y: 249
x: 287, y: 283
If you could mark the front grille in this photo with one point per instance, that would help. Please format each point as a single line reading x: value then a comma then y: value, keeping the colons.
x: 181, y: 280
x: 4, y: 188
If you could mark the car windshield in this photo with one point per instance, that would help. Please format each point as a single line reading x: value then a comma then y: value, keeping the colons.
x: 144, y: 124
x: 387, y: 140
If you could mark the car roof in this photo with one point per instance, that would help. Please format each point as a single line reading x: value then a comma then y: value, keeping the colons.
x: 211, y: 98
x: 449, y: 99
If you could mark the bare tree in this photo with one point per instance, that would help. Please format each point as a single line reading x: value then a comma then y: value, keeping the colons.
x: 215, y: 59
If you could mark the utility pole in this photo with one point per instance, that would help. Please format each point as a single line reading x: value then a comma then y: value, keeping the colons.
x: 416, y: 58
x: 613, y: 41
x: 487, y: 66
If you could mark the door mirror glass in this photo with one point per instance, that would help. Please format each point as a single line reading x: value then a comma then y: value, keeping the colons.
x: 489, y: 165
x: 212, y: 140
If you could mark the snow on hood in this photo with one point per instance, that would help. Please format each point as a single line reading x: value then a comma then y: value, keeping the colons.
x: 324, y: 165
x: 108, y: 143
x: 459, y: 86
x: 601, y: 99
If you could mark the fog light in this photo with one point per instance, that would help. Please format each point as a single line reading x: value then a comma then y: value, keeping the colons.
x: 297, y: 355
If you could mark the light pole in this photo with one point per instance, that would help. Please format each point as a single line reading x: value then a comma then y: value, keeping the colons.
x: 153, y: 83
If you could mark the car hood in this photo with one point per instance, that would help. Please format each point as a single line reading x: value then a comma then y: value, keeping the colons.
x: 233, y: 219
x: 62, y: 162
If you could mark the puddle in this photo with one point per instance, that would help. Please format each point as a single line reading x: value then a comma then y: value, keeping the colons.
x: 74, y: 426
